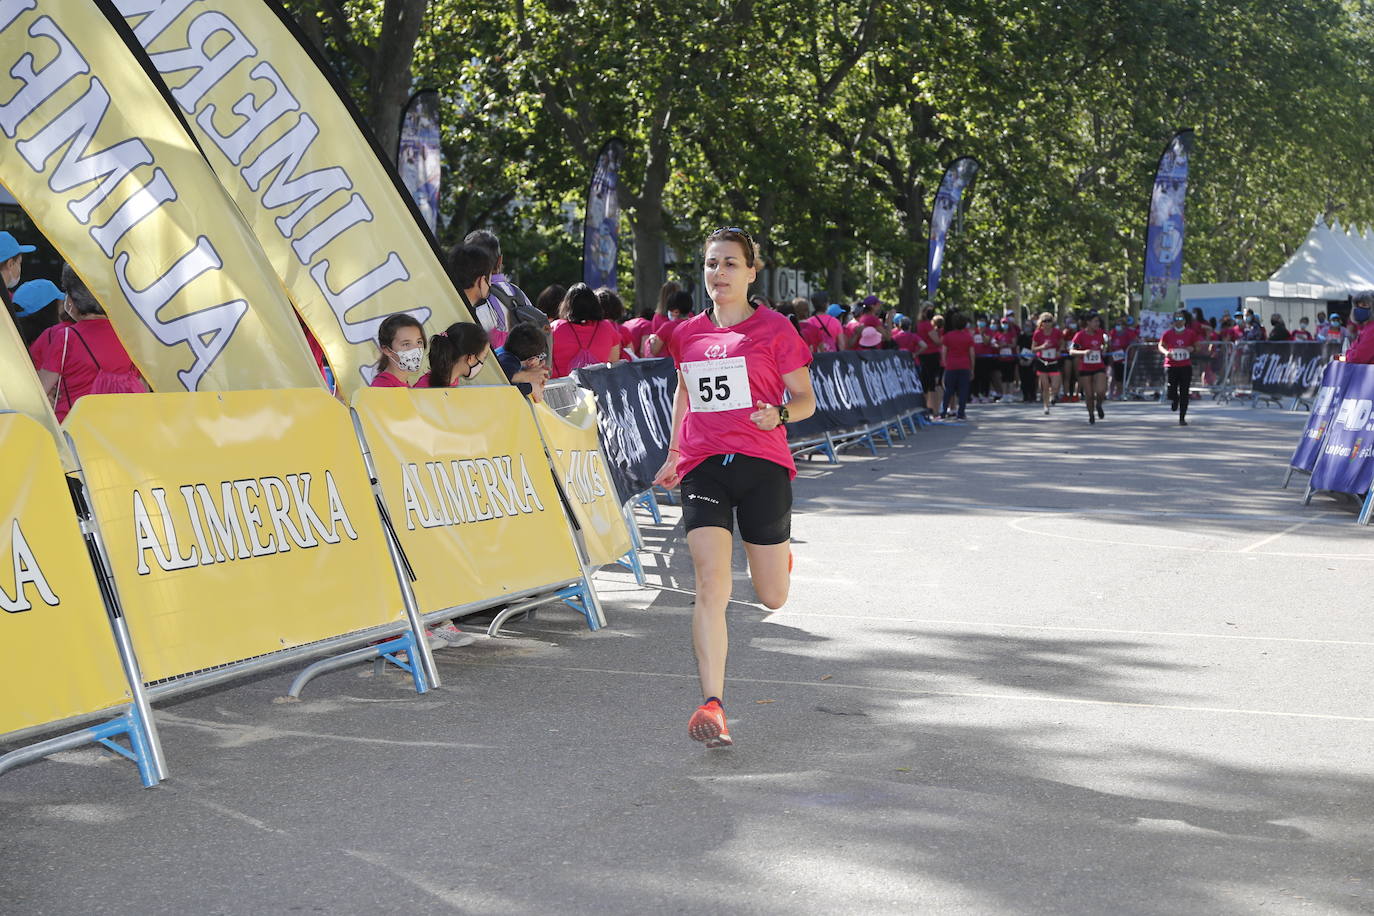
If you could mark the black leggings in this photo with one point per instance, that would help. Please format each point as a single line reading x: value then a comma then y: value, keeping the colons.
x: 1180, y: 381
x: 983, y: 367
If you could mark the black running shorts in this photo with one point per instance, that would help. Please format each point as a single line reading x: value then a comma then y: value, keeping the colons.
x: 725, y: 487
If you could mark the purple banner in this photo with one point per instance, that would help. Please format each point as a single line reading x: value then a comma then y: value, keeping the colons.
x: 601, y: 230
x: 1324, y: 406
x: 418, y: 155
x: 950, y: 203
x: 1345, y: 458
x: 1164, y: 232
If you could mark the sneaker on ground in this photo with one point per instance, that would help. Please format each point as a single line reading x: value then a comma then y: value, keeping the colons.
x: 708, y: 726
x: 452, y: 636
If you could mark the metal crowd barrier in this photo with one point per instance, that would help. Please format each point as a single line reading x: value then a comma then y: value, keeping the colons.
x: 1213, y: 371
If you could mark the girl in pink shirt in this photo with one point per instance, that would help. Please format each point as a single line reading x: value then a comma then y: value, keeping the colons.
x: 1089, y: 348
x: 1177, y: 345
x: 957, y: 350
x: 583, y: 337
x: 1046, y: 342
x: 401, y: 338
x: 736, y: 366
x: 455, y: 355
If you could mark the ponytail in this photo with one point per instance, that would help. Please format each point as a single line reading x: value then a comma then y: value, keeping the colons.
x: 463, y: 338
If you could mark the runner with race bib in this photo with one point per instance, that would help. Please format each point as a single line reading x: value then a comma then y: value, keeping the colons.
x: 1090, y: 348
x: 1177, y: 346
x: 1046, y: 342
x: 736, y: 366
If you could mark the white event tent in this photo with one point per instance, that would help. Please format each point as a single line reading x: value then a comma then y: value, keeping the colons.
x: 1329, y: 265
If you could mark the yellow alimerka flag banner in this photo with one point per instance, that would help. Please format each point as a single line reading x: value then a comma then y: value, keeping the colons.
x: 94, y: 154
x: 339, y: 229
x: 60, y: 658
x: 236, y: 524
x: 21, y: 391
x: 575, y: 449
x: 469, y: 492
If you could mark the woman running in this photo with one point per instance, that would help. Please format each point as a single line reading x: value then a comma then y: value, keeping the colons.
x: 1177, y: 345
x: 1046, y: 343
x: 736, y: 366
x: 1089, y: 349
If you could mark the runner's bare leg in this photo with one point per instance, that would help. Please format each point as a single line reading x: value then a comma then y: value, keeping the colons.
x: 711, y: 549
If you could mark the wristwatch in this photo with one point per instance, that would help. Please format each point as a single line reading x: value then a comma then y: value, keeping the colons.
x: 782, y: 414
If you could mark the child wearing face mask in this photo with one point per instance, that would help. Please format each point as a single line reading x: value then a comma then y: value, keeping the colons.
x: 402, y: 342
x: 455, y: 355
x: 1304, y: 332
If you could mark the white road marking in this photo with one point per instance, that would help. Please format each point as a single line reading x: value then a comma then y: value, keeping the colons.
x: 1274, y: 537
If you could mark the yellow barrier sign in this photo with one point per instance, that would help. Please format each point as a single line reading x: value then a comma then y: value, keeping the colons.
x: 237, y: 524
x: 60, y: 658
x: 21, y: 391
x: 469, y: 492
x: 576, y: 453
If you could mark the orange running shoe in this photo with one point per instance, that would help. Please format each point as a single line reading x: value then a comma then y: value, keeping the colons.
x: 708, y: 726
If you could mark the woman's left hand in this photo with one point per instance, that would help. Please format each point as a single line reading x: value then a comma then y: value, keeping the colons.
x: 766, y: 417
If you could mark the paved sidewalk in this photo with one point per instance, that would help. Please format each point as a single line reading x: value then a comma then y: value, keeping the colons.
x: 1029, y: 666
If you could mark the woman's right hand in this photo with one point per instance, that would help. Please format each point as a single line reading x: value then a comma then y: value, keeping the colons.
x: 667, y: 476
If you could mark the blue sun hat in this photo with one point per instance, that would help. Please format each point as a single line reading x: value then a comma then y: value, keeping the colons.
x: 35, y: 295
x: 9, y: 247
x: 835, y: 310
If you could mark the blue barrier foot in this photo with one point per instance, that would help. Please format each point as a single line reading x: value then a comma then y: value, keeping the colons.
x: 392, y: 648
x: 647, y: 501
x: 631, y: 562
x: 575, y: 597
x: 128, y: 726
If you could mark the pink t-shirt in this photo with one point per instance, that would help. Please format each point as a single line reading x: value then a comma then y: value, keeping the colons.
x: 39, y: 348
x: 658, y: 321
x: 1178, y: 340
x: 1053, y: 340
x: 387, y: 380
x: 79, y: 367
x: 907, y: 341
x: 983, y: 344
x: 957, y: 345
x: 811, y: 335
x: 1006, y: 344
x: 1300, y: 334
x: 1095, y: 342
x: 924, y: 329
x: 1362, y: 350
x: 598, y: 338
x: 635, y: 329
x: 1122, y: 339
x: 827, y: 331
x: 770, y: 349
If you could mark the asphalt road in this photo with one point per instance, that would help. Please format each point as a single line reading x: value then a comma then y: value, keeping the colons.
x: 1029, y: 666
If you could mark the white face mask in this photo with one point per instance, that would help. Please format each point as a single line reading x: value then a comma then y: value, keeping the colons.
x: 410, y: 360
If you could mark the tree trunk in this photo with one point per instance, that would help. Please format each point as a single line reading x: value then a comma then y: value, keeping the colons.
x: 648, y: 249
x: 388, y: 85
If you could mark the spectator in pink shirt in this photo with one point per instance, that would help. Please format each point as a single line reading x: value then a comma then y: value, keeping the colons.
x: 958, y: 353
x: 1362, y: 350
x: 86, y: 356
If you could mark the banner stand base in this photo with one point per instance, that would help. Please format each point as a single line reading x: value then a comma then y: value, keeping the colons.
x: 384, y: 652
x: 129, y: 726
x: 1367, y: 509
x: 631, y: 562
x: 647, y: 500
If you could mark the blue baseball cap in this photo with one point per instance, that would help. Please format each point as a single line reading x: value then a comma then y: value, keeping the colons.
x: 9, y: 247
x: 1130, y: 319
x: 35, y: 295
x: 835, y: 310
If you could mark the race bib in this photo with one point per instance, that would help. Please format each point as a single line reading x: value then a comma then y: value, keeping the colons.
x: 1006, y: 351
x: 1092, y: 358
x: 1179, y: 355
x: 714, y: 385
x: 1118, y: 354
x: 1049, y: 356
